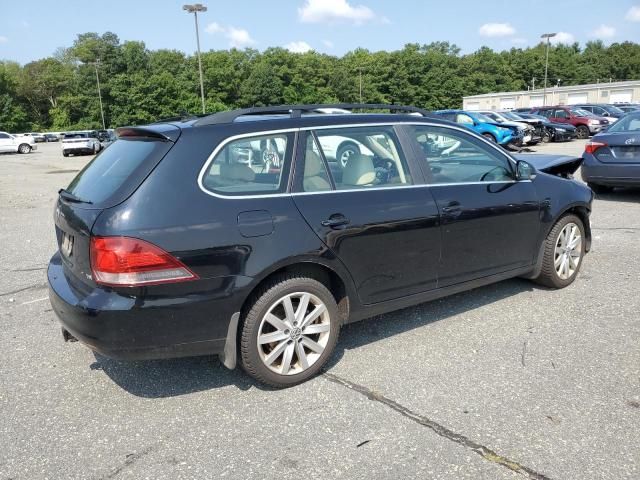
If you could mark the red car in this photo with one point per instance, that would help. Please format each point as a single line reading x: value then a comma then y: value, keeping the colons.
x: 586, y: 123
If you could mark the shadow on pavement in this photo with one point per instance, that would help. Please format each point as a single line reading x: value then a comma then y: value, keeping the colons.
x: 175, y: 377
x: 627, y: 195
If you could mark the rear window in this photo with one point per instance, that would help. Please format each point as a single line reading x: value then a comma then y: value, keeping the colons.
x: 76, y: 135
x: 113, y: 174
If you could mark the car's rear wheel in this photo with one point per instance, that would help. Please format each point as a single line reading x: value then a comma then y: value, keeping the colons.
x: 489, y: 137
x: 546, y: 137
x: 289, y: 331
x: 564, y: 250
x: 65, y: 153
x: 582, y: 132
x: 24, y: 148
x: 600, y: 189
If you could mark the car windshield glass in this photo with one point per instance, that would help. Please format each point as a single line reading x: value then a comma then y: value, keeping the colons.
x: 483, y: 118
x: 76, y: 135
x: 628, y: 123
x: 581, y: 112
x: 512, y: 116
x: 614, y: 109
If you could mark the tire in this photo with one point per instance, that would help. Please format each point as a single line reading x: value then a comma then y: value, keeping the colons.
x: 546, y: 138
x: 267, y: 362
x: 600, y: 189
x: 582, y: 132
x: 553, y: 273
x: 24, y: 148
x: 65, y: 153
x: 490, y: 137
x: 344, y: 151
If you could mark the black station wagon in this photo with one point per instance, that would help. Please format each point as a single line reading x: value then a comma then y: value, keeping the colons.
x: 255, y: 234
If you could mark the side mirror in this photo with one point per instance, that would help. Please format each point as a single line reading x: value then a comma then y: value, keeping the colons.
x: 524, y: 170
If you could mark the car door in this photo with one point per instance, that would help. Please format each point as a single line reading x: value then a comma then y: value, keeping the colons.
x: 489, y: 221
x: 560, y: 115
x: 374, y: 214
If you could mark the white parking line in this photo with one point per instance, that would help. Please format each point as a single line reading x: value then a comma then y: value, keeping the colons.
x: 34, y: 301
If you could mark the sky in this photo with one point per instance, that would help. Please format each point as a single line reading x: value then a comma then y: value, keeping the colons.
x: 33, y: 30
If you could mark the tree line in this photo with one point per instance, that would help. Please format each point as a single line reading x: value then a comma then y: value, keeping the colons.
x: 139, y: 85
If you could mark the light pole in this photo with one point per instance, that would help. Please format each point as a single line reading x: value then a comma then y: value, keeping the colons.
x: 195, y: 8
x: 548, y: 36
x: 95, y: 64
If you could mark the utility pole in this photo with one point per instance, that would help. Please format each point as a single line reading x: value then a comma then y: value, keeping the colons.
x: 548, y: 36
x: 533, y: 82
x: 95, y: 65
x: 195, y: 8
x: 360, y: 72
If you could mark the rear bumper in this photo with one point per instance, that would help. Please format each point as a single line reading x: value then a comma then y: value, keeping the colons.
x: 614, y: 174
x: 136, y: 325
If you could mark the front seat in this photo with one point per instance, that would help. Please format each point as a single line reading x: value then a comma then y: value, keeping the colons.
x: 314, y: 180
x: 359, y: 171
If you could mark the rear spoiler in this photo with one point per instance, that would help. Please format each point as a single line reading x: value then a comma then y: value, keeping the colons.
x: 163, y: 132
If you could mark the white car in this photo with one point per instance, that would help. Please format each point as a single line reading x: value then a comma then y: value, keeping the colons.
x: 80, y: 142
x: 19, y: 144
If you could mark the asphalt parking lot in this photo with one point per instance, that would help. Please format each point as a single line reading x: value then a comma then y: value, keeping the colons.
x: 506, y: 381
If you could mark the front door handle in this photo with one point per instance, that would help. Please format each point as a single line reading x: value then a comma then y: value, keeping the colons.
x: 335, y: 221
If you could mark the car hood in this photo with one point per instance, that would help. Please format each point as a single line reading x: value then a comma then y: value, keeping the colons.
x: 553, y: 164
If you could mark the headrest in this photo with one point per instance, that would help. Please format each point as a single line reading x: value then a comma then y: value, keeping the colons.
x: 313, y: 164
x: 237, y: 171
x: 359, y: 171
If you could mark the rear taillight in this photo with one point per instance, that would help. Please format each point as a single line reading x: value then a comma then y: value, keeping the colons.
x: 130, y: 262
x: 591, y: 147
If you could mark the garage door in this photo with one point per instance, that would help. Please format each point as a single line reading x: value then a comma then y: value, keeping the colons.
x: 473, y: 106
x: 617, y: 96
x: 507, y: 103
x: 574, y: 98
x: 536, y: 100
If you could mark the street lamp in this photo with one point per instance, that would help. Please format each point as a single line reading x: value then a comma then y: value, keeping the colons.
x: 548, y: 36
x: 195, y: 8
x: 95, y: 64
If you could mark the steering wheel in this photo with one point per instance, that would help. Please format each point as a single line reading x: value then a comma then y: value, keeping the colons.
x: 385, y: 168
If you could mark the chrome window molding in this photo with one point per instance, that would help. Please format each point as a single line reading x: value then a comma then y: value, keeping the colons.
x: 262, y: 133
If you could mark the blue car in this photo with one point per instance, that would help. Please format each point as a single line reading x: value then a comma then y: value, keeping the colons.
x: 612, y: 157
x: 483, y: 125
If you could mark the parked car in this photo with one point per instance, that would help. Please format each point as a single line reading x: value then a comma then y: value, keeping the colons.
x: 106, y: 137
x: 556, y: 132
x: 16, y: 144
x: 522, y: 110
x: 51, y: 137
x: 74, y: 143
x: 37, y: 137
x: 530, y: 136
x: 585, y: 122
x: 610, y: 112
x: 628, y: 108
x: 168, y: 247
x: 485, y: 126
x: 612, y: 157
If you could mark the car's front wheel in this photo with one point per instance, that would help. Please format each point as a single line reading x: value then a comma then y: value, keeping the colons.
x: 564, y: 250
x: 24, y: 148
x: 582, y: 132
x: 289, y: 331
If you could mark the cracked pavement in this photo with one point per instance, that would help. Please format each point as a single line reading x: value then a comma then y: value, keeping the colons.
x: 507, y: 381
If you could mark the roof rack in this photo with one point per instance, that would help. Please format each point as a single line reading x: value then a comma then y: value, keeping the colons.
x: 296, y: 111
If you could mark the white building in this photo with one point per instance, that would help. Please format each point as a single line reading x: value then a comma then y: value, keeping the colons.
x: 614, y: 92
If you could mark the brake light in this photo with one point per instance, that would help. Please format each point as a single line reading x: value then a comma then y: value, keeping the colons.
x: 591, y: 147
x: 130, y: 262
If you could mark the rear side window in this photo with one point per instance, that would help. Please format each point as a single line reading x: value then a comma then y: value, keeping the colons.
x: 357, y: 157
x: 107, y: 178
x: 250, y: 166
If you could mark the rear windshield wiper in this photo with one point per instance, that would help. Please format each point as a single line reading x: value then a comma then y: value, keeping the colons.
x: 70, y: 197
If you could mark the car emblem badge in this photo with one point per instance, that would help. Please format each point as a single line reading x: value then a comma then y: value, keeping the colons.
x: 629, y: 141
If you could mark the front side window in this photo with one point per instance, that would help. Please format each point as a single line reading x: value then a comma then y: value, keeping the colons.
x: 4, y: 136
x: 456, y: 157
x: 561, y: 114
x: 364, y: 157
x: 464, y: 119
x: 251, y: 165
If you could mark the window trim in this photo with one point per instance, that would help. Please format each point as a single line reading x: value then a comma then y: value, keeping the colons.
x: 297, y: 130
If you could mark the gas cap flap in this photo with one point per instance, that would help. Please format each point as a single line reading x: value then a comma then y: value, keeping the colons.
x: 255, y: 223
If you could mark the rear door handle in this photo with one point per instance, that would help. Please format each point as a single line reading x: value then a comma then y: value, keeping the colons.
x: 452, y: 207
x: 335, y: 221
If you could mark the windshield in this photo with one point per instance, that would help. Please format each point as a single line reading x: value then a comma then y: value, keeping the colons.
x: 581, y: 113
x: 628, y: 123
x: 512, y: 116
x: 614, y: 109
x: 482, y: 118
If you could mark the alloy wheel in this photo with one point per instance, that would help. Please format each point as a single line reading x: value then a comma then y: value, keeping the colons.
x: 293, y: 333
x: 568, y: 251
